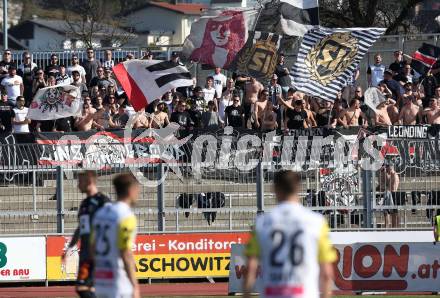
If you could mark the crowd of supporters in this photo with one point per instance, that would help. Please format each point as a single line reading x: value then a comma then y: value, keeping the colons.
x: 237, y: 101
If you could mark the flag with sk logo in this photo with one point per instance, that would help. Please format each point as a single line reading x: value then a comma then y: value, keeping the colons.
x: 328, y: 57
x: 259, y: 56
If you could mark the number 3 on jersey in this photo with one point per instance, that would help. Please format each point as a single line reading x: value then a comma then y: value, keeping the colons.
x: 295, y: 250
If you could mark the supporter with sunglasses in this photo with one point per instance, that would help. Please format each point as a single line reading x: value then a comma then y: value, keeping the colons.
x: 39, y: 81
x: 6, y: 63
x: 91, y: 65
x: 27, y: 70
x: 76, y: 67
x: 53, y: 69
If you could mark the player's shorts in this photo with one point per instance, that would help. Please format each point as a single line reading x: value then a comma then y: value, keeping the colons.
x: 85, y: 274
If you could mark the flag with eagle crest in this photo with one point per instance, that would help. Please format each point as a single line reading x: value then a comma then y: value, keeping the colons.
x: 56, y: 102
x: 328, y: 57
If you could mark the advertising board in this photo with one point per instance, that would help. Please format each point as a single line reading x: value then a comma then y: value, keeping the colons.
x: 22, y: 259
x: 402, y: 267
x: 159, y: 256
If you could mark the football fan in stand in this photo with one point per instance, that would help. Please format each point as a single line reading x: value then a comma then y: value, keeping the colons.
x: 94, y: 201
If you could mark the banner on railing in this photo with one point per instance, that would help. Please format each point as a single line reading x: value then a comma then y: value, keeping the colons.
x: 403, y: 267
x: 22, y: 259
x: 304, y: 149
x: 159, y: 256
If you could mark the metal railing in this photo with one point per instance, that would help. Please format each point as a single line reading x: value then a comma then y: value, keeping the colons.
x: 42, y: 58
x: 40, y: 198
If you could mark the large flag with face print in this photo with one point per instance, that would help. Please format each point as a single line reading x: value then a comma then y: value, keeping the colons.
x: 146, y: 80
x: 217, y: 37
x: 328, y: 57
x: 55, y: 102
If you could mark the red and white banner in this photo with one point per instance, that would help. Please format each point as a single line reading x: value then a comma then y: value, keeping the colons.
x: 361, y: 267
x: 146, y: 80
x: 218, y: 36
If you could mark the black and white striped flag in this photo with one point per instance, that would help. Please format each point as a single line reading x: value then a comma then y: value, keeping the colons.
x: 289, y: 17
x: 298, y: 16
x: 145, y: 80
x: 328, y: 57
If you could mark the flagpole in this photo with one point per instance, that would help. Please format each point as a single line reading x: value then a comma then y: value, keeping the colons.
x: 5, y: 24
x: 260, y: 2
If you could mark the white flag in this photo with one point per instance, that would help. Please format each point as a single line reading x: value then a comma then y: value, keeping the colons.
x: 55, y: 102
x: 373, y: 98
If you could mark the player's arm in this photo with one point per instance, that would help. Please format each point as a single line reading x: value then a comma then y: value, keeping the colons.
x: 325, y: 279
x: 92, y: 243
x: 326, y: 257
x: 252, y: 252
x: 435, y: 230
x: 130, y: 268
x: 75, y: 238
x: 250, y: 277
x: 125, y: 239
x: 73, y: 241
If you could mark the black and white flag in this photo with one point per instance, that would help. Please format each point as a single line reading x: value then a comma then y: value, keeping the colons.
x: 289, y: 17
x: 328, y: 57
x: 146, y: 80
x: 298, y: 16
x: 259, y: 57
